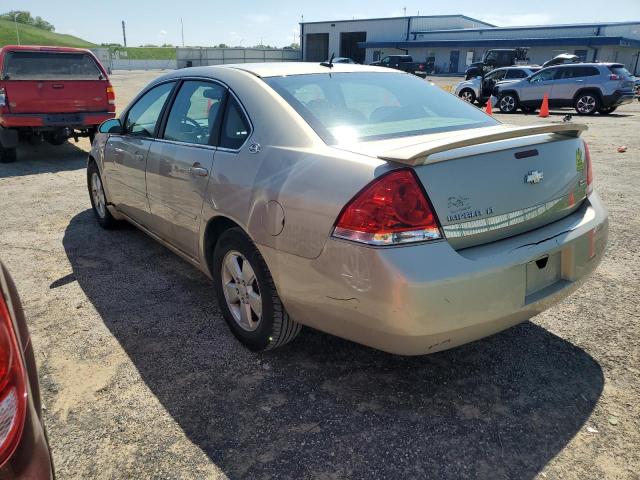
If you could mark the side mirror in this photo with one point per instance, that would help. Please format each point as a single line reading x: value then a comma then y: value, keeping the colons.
x: 112, y: 126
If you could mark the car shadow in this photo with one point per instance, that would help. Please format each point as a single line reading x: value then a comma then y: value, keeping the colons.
x: 43, y: 157
x: 324, y: 407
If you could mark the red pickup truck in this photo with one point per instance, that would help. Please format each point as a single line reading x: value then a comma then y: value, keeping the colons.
x: 50, y: 93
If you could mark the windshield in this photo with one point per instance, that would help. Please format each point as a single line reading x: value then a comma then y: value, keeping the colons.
x: 352, y: 107
x: 50, y: 66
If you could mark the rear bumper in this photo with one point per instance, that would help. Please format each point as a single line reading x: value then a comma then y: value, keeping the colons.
x: 424, y: 298
x: 43, y: 120
x: 619, y: 97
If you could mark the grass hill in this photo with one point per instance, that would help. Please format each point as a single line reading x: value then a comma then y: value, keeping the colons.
x: 30, y: 35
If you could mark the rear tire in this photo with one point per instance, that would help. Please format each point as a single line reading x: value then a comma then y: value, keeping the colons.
x: 508, y: 103
x: 468, y: 95
x: 8, y: 155
x: 247, y: 295
x: 587, y: 103
x: 99, y: 199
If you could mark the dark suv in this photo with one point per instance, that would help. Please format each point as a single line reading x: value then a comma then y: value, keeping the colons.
x: 587, y: 87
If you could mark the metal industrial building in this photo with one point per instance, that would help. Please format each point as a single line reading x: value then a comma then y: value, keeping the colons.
x: 452, y: 42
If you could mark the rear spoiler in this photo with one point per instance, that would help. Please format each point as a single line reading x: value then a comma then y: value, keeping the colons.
x: 418, y: 154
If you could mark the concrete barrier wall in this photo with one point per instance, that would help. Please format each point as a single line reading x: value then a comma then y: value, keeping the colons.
x: 124, y: 64
x: 194, y: 56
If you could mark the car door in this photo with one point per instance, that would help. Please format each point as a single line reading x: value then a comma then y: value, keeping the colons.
x: 236, y: 165
x: 180, y: 160
x: 565, y: 83
x: 542, y: 82
x: 126, y: 154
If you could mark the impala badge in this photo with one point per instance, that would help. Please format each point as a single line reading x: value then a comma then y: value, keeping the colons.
x: 534, y: 176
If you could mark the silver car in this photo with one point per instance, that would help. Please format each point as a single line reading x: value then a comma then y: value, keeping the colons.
x: 587, y: 87
x: 479, y: 89
x: 357, y: 200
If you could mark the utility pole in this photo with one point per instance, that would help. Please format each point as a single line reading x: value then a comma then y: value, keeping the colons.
x: 405, y: 11
x: 15, y: 21
x: 124, y: 34
x: 182, y: 31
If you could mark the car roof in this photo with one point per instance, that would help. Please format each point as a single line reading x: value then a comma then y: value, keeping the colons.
x: 279, y: 69
x: 42, y: 48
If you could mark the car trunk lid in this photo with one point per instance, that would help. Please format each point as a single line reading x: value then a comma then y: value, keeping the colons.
x: 492, y: 183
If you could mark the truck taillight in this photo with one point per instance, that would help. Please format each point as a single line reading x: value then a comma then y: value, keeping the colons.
x: 13, y: 394
x: 3, y: 100
x: 587, y: 160
x: 613, y: 76
x: 111, y: 98
x: 391, y: 210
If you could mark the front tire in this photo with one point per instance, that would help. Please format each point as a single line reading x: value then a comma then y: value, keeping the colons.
x: 587, y: 103
x: 247, y: 295
x: 508, y: 103
x: 99, y: 199
x: 468, y: 95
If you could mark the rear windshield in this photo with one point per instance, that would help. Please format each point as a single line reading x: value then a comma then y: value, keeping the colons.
x: 50, y: 66
x: 620, y: 70
x: 352, y: 107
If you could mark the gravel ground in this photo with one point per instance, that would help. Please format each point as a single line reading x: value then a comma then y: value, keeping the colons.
x: 141, y: 378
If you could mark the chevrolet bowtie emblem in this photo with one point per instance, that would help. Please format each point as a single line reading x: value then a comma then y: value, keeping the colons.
x: 534, y: 177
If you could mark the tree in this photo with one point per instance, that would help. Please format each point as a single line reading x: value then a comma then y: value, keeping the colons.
x: 24, y: 17
x: 294, y: 46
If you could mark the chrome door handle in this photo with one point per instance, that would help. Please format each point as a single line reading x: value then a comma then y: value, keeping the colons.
x: 118, y: 150
x: 579, y: 80
x: 198, y: 171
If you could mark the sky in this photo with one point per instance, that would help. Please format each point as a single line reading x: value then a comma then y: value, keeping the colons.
x: 276, y: 23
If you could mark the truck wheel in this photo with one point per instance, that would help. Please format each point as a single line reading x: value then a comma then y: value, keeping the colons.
x: 508, y: 103
x: 587, y: 103
x: 247, y: 295
x: 468, y: 95
x: 99, y: 198
x: 7, y: 155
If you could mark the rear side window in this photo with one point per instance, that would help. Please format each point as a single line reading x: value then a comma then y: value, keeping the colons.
x: 194, y: 113
x: 143, y: 117
x: 620, y: 70
x: 50, y: 66
x: 235, y: 126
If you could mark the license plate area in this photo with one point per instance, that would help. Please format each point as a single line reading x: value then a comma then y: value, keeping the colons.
x: 62, y: 119
x: 543, y: 273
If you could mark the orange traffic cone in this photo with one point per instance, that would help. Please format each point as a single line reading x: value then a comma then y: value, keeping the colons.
x: 544, y: 108
x: 488, y: 109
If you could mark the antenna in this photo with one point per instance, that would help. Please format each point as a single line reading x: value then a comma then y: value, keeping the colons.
x: 329, y: 64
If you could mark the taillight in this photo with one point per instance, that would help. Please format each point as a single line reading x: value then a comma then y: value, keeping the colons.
x: 587, y: 159
x: 613, y: 76
x: 3, y: 100
x: 13, y: 396
x: 391, y: 210
x: 111, y: 98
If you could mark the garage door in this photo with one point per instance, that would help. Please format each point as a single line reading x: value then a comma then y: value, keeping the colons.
x: 349, y: 45
x: 317, y: 47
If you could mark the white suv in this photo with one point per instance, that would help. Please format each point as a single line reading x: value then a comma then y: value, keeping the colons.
x: 479, y: 89
x: 588, y: 87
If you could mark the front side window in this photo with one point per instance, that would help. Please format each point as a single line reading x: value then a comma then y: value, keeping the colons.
x: 544, y: 75
x: 370, y: 106
x: 143, y: 117
x: 50, y: 66
x: 515, y: 73
x: 235, y: 126
x: 194, y: 112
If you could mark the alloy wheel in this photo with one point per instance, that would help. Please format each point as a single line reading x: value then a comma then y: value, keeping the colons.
x: 586, y: 104
x: 241, y: 290
x: 507, y: 103
x: 97, y: 192
x: 467, y: 96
